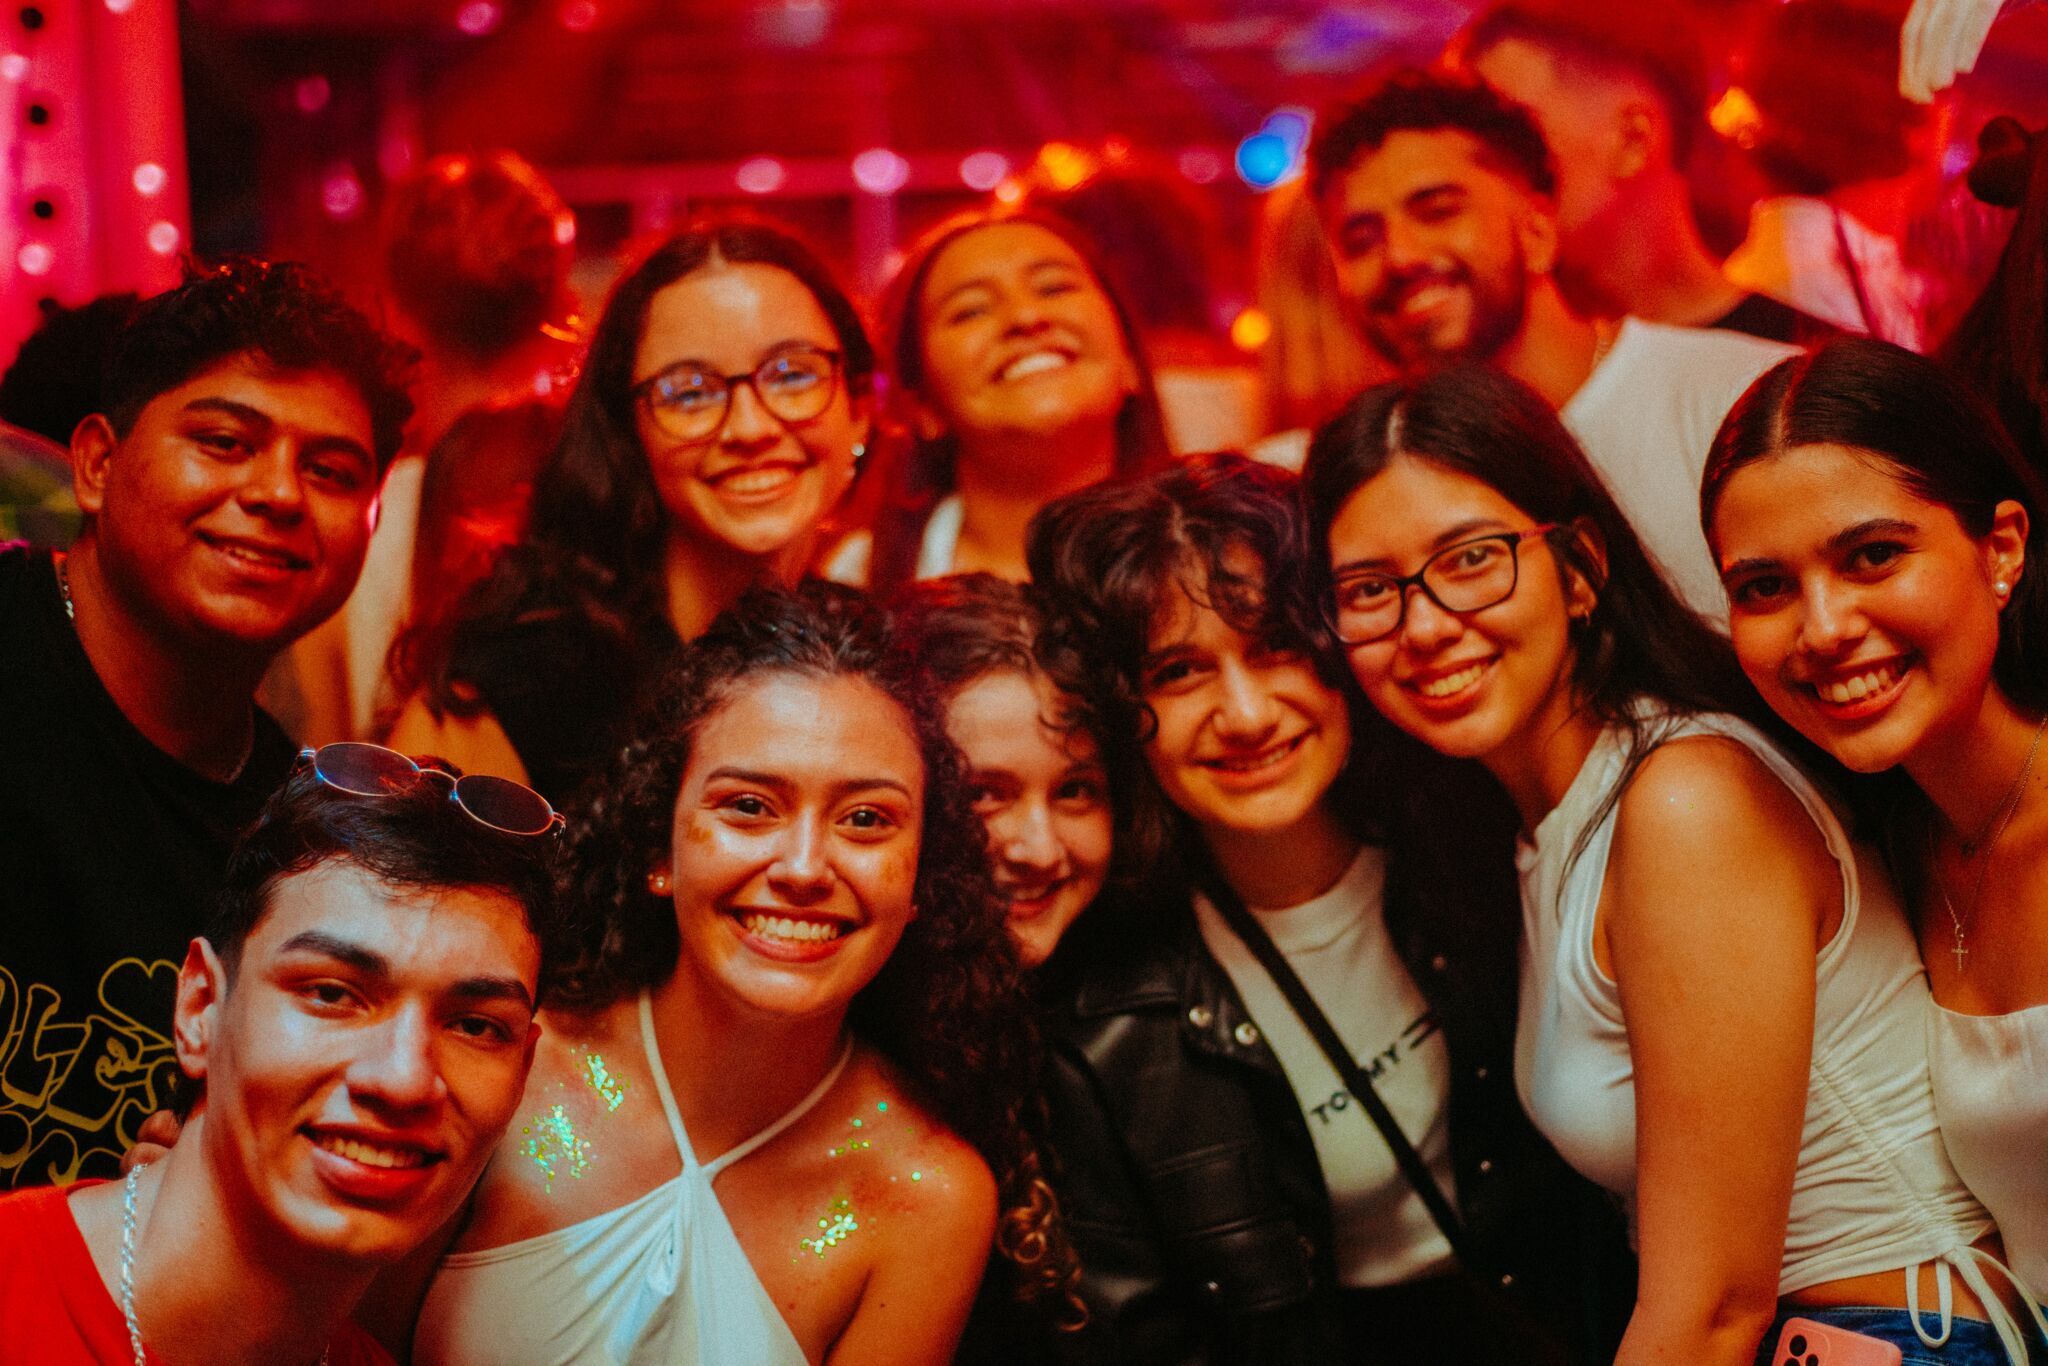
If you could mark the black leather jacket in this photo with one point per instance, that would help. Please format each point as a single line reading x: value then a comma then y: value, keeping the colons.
x: 1186, y: 1171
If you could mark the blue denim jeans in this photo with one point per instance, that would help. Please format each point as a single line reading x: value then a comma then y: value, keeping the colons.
x: 1971, y: 1342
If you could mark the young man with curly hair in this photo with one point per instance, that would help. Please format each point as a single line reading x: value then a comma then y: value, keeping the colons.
x: 228, y: 490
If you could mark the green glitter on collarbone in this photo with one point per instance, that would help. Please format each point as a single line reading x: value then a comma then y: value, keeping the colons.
x: 839, y: 1224
x: 553, y: 1144
x: 611, y: 1089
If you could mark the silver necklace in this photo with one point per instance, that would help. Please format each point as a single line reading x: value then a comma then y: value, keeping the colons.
x: 2001, y: 817
x: 128, y: 1269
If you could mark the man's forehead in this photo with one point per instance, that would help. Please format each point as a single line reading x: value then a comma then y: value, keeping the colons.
x: 1411, y: 160
x: 423, y: 933
x: 318, y: 399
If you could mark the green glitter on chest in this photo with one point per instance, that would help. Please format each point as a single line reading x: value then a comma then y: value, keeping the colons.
x: 836, y: 1227
x: 553, y: 1144
x: 608, y: 1087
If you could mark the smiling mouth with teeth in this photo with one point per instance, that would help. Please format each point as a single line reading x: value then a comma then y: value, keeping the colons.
x: 1033, y: 363
x: 265, y: 559
x: 1252, y: 763
x: 370, y: 1154
x: 1448, y: 684
x: 797, y: 931
x: 1842, y: 691
x: 752, y: 483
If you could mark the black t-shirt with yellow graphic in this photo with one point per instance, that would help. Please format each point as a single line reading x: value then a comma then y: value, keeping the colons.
x: 110, y: 854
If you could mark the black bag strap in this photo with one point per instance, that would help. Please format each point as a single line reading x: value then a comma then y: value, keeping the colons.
x: 1247, y: 928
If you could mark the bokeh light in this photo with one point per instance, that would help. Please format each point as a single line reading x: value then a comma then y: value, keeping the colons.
x: 163, y: 237
x: 311, y: 93
x: 1201, y: 165
x: 880, y: 171
x: 577, y: 16
x: 762, y: 175
x: 35, y: 258
x: 149, y: 179
x: 341, y: 193
x: 478, y: 18
x: 1250, y: 330
x: 983, y: 170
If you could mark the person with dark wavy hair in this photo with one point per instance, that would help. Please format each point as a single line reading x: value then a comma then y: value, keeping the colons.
x: 1884, y: 544
x: 780, y: 1112
x: 1033, y: 751
x: 1231, y: 1198
x: 718, y: 420
x: 1721, y: 1019
x: 1020, y: 376
x: 229, y: 484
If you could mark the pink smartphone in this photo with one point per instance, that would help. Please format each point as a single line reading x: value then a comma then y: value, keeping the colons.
x: 1806, y: 1343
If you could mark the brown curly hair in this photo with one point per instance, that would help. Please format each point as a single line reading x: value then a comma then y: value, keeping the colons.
x: 949, y: 1007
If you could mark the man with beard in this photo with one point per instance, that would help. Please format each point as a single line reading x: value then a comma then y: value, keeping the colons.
x: 1438, y: 197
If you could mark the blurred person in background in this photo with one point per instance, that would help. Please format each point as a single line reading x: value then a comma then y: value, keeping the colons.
x: 1851, y: 161
x: 2001, y: 344
x: 54, y: 382
x: 476, y: 255
x: 1020, y: 376
x: 718, y: 420
x: 1158, y: 245
x: 1621, y: 96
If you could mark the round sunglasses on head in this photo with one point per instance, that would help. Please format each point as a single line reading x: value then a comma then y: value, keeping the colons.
x: 365, y: 770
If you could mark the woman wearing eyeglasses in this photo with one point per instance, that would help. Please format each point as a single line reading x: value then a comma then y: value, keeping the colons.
x: 1722, y: 1011
x: 1021, y: 377
x: 717, y: 422
x: 1231, y: 1193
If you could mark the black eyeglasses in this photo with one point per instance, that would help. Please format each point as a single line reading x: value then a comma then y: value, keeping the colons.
x: 689, y: 400
x: 373, y: 771
x: 1367, y: 605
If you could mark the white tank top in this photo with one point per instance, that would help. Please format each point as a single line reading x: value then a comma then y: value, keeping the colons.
x: 1991, y: 1091
x: 662, y: 1279
x: 1874, y: 1189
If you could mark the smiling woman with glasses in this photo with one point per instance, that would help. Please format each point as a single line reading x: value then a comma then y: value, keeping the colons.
x: 1709, y: 964
x: 716, y: 424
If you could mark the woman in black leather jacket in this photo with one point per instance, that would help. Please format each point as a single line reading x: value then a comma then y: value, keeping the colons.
x: 1228, y: 1196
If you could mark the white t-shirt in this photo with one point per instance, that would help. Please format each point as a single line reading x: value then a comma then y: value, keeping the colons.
x: 1646, y: 416
x: 1338, y: 945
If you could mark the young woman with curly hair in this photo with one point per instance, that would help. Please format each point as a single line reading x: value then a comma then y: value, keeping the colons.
x: 1033, y: 751
x: 721, y: 411
x: 1229, y: 1195
x: 779, y: 1117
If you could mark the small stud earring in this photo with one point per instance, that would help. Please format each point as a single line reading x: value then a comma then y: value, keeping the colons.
x: 860, y: 451
x: 2001, y: 588
x: 658, y: 882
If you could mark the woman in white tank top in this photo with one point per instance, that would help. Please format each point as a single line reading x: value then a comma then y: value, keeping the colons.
x: 763, y: 1128
x: 1884, y: 548
x: 1721, y: 1016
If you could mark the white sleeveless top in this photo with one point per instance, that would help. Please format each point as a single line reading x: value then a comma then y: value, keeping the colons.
x: 661, y: 1279
x: 1874, y: 1189
x: 1991, y: 1091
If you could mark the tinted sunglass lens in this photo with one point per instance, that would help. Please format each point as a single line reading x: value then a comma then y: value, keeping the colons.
x: 504, y: 805
x: 364, y: 770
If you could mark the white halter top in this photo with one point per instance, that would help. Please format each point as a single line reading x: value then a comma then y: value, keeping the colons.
x: 660, y: 1279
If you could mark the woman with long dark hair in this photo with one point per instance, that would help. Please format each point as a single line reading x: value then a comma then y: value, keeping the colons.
x: 1236, y: 1191
x: 720, y: 413
x: 1721, y: 1014
x: 1883, y: 544
x: 1020, y: 377
x: 780, y: 1112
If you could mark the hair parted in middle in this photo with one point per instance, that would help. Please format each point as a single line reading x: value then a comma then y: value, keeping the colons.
x: 949, y: 1006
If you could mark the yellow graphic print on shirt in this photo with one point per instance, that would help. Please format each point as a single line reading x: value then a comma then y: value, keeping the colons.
x: 77, y: 1080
